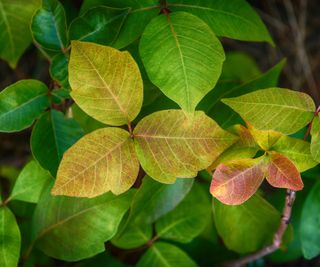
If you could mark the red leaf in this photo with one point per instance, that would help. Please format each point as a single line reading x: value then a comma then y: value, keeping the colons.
x: 236, y: 181
x: 283, y: 173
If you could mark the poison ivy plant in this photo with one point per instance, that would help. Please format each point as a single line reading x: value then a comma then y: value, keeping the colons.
x: 141, y: 122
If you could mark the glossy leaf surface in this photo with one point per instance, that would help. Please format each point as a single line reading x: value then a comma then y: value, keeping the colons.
x: 21, y: 103
x: 52, y: 135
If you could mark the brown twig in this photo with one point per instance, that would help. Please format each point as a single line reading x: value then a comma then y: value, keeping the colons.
x: 285, y: 220
x: 277, y: 239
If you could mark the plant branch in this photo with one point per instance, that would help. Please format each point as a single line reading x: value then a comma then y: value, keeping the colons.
x: 277, y: 239
x: 285, y: 220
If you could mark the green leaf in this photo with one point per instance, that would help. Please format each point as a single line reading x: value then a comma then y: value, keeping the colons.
x: 247, y: 227
x: 224, y: 115
x: 163, y: 254
x: 310, y: 224
x: 141, y: 13
x: 277, y: 109
x: 30, y: 183
x: 172, y: 145
x: 231, y: 71
x: 87, y: 123
x: 10, y: 239
x: 188, y: 219
x: 21, y: 103
x: 59, y: 70
x: 72, y: 229
x: 315, y: 138
x: 131, y: 235
x: 235, y: 19
x: 99, y: 25
x: 49, y: 26
x: 297, y: 150
x: 15, y: 36
x: 111, y: 90
x: 188, y: 57
x: 52, y: 135
x: 101, y: 161
x: 234, y: 182
x: 153, y: 199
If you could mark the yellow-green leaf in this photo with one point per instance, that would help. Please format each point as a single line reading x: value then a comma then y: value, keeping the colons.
x: 277, y: 109
x: 171, y: 144
x: 245, y: 147
x: 15, y: 34
x: 101, y: 161
x: 234, y: 182
x: 315, y: 140
x: 106, y: 83
x: 265, y: 139
x: 297, y: 150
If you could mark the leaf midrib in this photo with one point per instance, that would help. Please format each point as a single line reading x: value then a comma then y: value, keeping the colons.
x: 182, y: 62
x: 93, y: 164
x: 116, y: 100
x: 210, y: 9
x: 22, y: 105
x: 227, y: 101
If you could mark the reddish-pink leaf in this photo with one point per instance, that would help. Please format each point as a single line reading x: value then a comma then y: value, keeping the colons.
x: 236, y: 181
x: 283, y: 173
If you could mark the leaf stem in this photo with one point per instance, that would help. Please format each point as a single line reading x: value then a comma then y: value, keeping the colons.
x: 278, y: 236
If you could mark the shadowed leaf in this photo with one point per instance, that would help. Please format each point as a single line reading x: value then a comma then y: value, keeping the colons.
x: 15, y: 36
x: 233, y: 18
x: 100, y: 25
x: 58, y: 220
x: 56, y: 133
x: 163, y: 254
x: 188, y: 219
x: 310, y: 224
x: 10, y: 239
x: 172, y: 145
x: 247, y: 227
x: 105, y: 82
x: 101, y: 161
x: 315, y: 138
